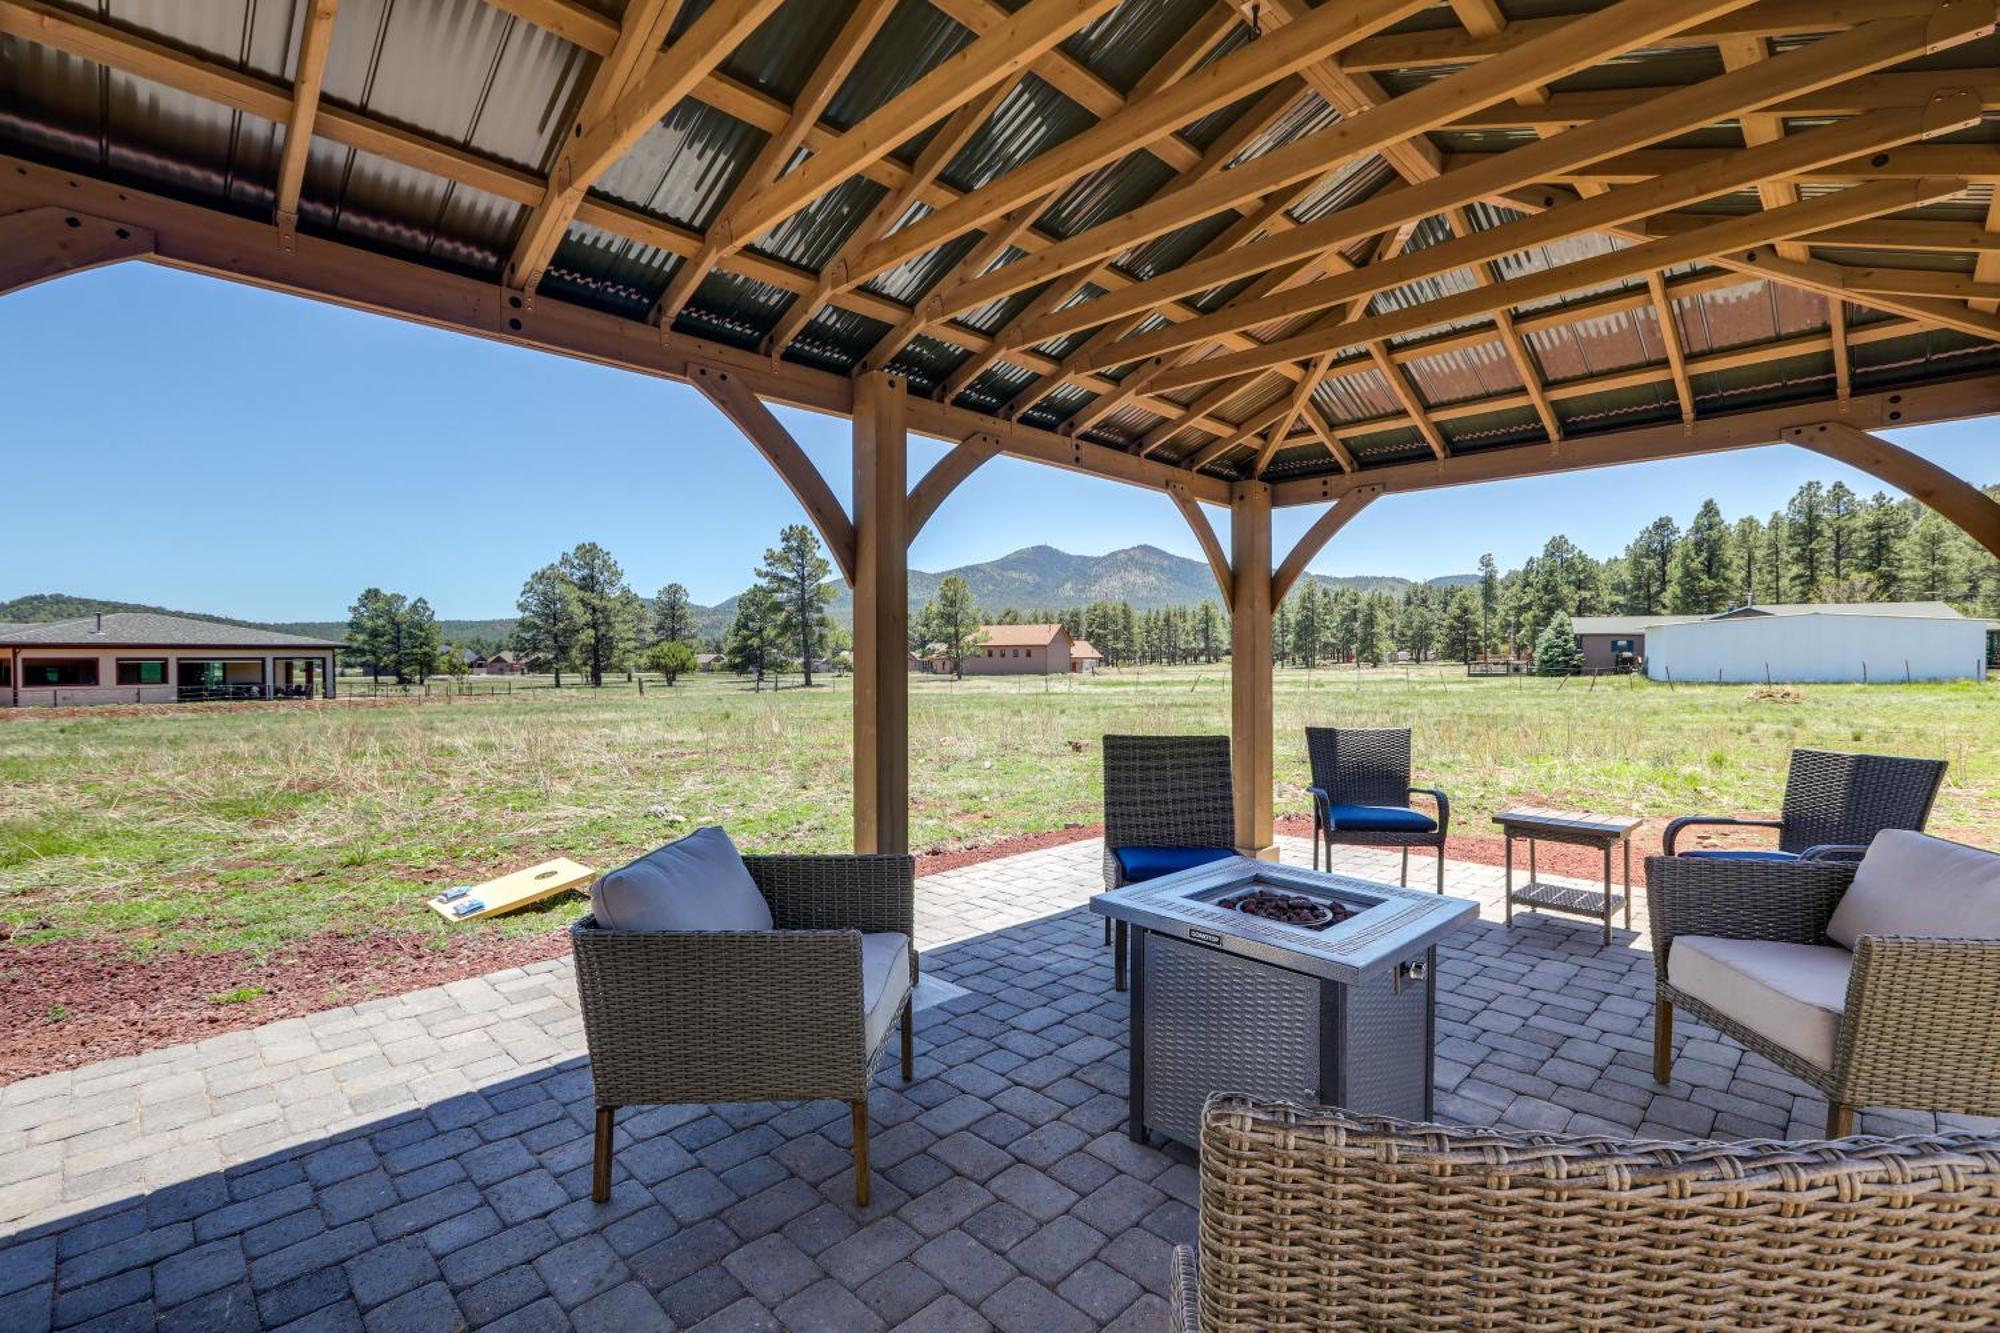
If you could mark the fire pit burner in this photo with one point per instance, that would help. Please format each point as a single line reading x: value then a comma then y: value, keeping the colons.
x: 1293, y: 909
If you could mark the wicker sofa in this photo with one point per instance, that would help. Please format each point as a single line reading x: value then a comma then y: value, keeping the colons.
x: 691, y: 1016
x: 1313, y: 1219
x: 1901, y: 1013
x: 1834, y: 805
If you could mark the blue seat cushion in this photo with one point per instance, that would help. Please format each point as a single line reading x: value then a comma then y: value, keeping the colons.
x: 1381, y: 819
x: 1746, y: 854
x: 1143, y: 863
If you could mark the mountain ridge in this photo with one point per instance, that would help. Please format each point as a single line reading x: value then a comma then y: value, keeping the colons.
x: 1033, y: 578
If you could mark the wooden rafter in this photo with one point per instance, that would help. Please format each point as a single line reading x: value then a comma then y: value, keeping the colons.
x: 960, y: 78
x: 1739, y: 235
x: 1762, y: 127
x: 1406, y: 393
x: 1670, y: 336
x: 1843, y: 363
x: 834, y: 67
x: 626, y: 108
x: 314, y: 42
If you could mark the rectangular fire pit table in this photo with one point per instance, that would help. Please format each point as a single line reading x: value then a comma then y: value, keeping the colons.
x: 1334, y: 1005
x: 1601, y: 831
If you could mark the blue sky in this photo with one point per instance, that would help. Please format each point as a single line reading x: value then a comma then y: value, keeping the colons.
x: 197, y: 444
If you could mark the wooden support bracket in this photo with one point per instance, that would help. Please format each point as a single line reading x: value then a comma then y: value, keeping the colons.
x: 1204, y: 532
x: 37, y: 244
x: 1950, y: 495
x: 967, y: 457
x: 1317, y: 536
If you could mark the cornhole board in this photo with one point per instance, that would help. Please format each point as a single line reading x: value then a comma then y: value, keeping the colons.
x: 511, y: 892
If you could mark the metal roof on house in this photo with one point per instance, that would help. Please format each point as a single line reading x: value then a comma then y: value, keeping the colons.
x: 1903, y: 610
x: 142, y: 629
x: 1239, y: 239
x: 1624, y: 624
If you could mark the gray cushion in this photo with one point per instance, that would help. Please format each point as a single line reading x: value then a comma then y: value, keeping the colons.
x: 885, y: 982
x: 698, y: 883
x: 1790, y: 994
x: 1914, y: 884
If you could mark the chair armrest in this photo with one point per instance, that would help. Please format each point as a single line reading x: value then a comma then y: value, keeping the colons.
x: 1921, y: 1027
x: 1322, y: 806
x: 1786, y: 901
x: 1674, y: 827
x: 1185, y: 1291
x: 1443, y: 805
x: 721, y: 1016
x: 1834, y: 851
x: 865, y: 893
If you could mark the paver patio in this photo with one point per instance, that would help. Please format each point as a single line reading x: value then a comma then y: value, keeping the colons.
x: 422, y: 1162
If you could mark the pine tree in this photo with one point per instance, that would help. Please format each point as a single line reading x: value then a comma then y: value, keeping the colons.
x: 551, y: 622
x: 1557, y: 652
x: 604, y: 616
x: 1646, y: 566
x: 754, y: 642
x: 1884, y: 523
x: 673, y: 615
x: 1459, y: 629
x: 795, y: 572
x: 1747, y: 542
x: 1930, y: 557
x: 371, y: 629
x: 951, y: 622
x: 1489, y: 601
x: 1207, y: 631
x: 419, y: 641
x: 1841, y: 510
x: 1698, y: 581
x: 1368, y: 632
x: 1777, y: 559
x: 1807, y: 540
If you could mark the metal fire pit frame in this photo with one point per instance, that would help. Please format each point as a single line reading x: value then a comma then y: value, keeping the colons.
x: 1343, y: 1016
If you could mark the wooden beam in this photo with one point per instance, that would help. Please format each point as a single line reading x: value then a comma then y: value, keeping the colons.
x: 310, y: 76
x: 1329, y: 436
x: 589, y: 151
x: 1761, y: 128
x: 1581, y: 42
x: 1204, y: 533
x: 1950, y: 400
x: 38, y: 244
x: 965, y: 458
x: 881, y: 618
x: 1273, y: 58
x: 1869, y: 92
x: 1977, y: 513
x: 747, y: 412
x: 1301, y: 394
x: 959, y: 78
x: 1314, y: 539
x: 1843, y: 361
x: 1735, y: 235
x: 1670, y: 337
x: 1250, y: 668
x: 848, y: 44
x: 1405, y: 393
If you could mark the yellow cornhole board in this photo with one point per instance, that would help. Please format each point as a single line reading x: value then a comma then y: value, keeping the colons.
x: 510, y: 892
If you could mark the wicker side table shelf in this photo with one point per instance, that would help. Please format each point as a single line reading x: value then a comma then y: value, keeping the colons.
x: 1568, y: 826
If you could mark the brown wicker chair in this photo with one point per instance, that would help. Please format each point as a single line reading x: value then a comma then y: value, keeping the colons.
x: 1361, y: 794
x: 748, y: 1016
x: 1835, y: 804
x: 1313, y: 1219
x: 1171, y: 793
x: 1920, y: 1028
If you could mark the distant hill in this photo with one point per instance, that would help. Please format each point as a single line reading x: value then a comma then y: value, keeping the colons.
x: 1030, y: 579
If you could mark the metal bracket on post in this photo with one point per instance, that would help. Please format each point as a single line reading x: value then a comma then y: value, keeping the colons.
x: 288, y: 232
x: 516, y: 304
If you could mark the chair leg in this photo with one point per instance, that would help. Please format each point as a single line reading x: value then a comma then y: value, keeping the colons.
x: 1663, y: 1041
x: 1839, y: 1120
x: 1118, y: 958
x: 1107, y: 930
x: 1440, y: 867
x: 600, y: 1167
x: 861, y: 1153
x: 1406, y: 865
x: 909, y: 1040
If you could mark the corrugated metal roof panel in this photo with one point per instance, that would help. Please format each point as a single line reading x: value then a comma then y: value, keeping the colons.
x: 1030, y: 120
x: 913, y: 42
x: 787, y: 47
x: 1593, y: 346
x: 1120, y: 47
x: 1109, y: 192
x: 1363, y: 396
x: 1463, y: 373
x: 684, y: 168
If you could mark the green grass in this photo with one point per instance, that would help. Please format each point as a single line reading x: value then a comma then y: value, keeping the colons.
x: 249, y: 828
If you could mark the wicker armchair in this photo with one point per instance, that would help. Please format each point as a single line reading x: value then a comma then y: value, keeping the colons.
x: 1920, y: 1026
x: 1313, y: 1219
x: 1835, y: 804
x: 746, y: 1016
x: 1172, y: 793
x: 1361, y: 794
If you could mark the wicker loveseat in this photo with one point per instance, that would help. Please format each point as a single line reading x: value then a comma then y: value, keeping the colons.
x: 1312, y: 1219
x: 1893, y: 1001
x: 689, y: 1016
x: 1835, y: 804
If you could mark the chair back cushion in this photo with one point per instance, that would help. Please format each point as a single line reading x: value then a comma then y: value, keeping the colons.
x: 1846, y: 799
x: 1168, y: 791
x: 1914, y: 884
x: 1139, y: 864
x: 698, y: 883
x: 1361, y: 765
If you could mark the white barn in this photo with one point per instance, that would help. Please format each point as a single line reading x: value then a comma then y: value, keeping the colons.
x: 1834, y: 642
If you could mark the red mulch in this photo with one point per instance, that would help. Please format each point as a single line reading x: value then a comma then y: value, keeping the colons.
x: 112, y: 1004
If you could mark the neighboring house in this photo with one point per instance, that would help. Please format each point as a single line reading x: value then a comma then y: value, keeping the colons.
x: 708, y: 662
x: 504, y: 663
x: 1831, y: 642
x: 1019, y: 650
x: 142, y: 657
x: 1083, y: 657
x: 1617, y: 642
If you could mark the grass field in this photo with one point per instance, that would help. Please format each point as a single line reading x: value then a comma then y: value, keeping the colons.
x: 250, y: 828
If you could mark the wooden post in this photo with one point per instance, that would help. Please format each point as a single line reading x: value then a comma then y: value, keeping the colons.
x: 1250, y: 667
x: 881, y: 616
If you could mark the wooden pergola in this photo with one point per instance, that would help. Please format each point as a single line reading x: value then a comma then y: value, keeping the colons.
x: 1251, y: 254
